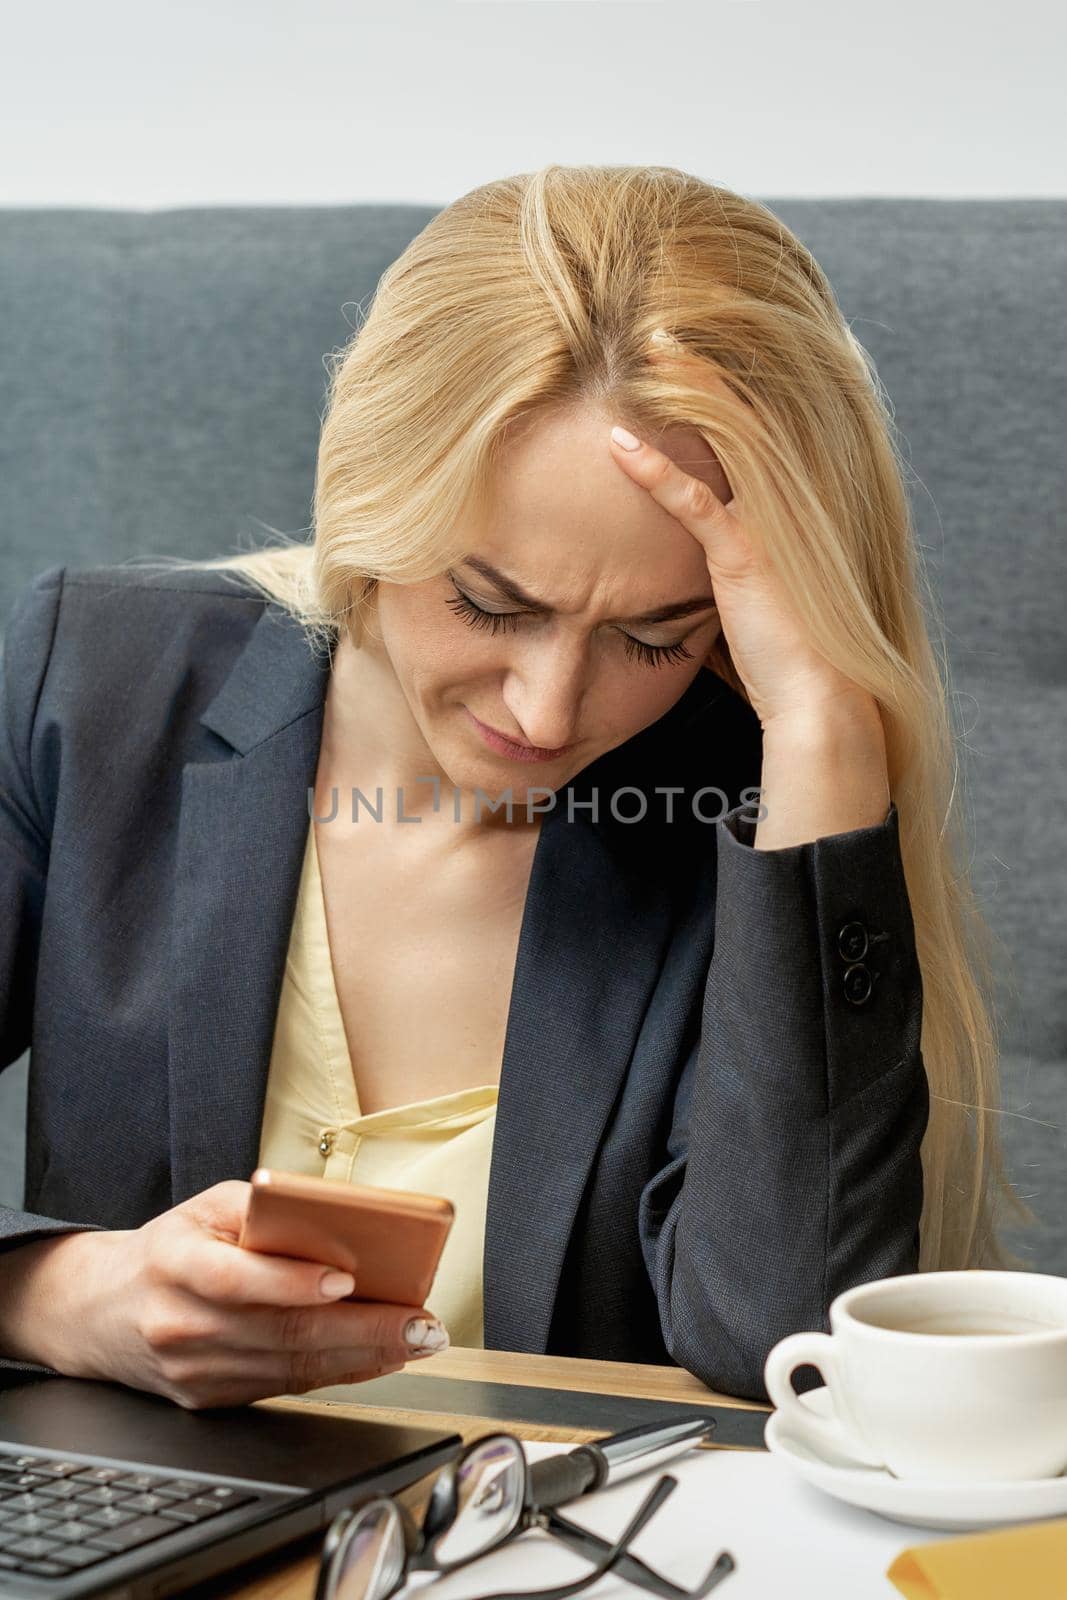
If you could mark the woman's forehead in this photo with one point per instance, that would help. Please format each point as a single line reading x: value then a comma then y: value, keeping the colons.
x: 568, y: 525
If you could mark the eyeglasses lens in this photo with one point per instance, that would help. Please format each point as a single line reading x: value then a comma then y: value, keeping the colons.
x: 489, y: 1497
x: 372, y: 1557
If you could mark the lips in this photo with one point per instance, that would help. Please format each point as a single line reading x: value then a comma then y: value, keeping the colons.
x: 510, y: 747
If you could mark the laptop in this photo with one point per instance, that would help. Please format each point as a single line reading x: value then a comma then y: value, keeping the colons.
x: 108, y: 1490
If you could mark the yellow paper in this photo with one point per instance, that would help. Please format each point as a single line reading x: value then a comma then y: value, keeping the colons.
x: 1026, y: 1562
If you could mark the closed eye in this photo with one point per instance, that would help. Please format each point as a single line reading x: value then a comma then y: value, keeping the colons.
x: 476, y: 616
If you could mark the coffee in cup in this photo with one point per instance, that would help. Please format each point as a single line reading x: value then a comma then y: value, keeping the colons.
x: 943, y: 1376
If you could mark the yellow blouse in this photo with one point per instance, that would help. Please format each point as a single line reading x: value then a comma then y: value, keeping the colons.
x: 312, y: 1122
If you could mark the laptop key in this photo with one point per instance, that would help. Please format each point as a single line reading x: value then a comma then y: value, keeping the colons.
x: 57, y: 1491
x: 71, y: 1530
x: 138, y: 1480
x: 140, y: 1531
x: 31, y: 1546
x: 145, y: 1502
x: 44, y: 1569
x: 29, y: 1522
x: 17, y: 1503
x: 107, y: 1516
x: 72, y: 1557
x: 226, y: 1495
x: 103, y: 1495
x: 60, y: 1469
x: 197, y: 1510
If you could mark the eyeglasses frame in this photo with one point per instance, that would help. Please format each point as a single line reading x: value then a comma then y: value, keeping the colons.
x: 440, y: 1512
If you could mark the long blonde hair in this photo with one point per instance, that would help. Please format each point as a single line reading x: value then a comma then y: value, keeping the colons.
x: 664, y: 299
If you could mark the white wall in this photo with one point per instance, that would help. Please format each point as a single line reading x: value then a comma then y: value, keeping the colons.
x: 155, y: 103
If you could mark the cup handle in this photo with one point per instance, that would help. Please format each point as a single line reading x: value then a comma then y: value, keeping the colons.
x: 824, y: 1434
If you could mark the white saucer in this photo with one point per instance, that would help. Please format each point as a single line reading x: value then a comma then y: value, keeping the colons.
x: 956, y: 1506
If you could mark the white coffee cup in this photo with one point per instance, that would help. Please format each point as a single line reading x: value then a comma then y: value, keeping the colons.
x: 939, y: 1376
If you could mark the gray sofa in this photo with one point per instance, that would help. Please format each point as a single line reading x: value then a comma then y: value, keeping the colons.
x: 162, y: 388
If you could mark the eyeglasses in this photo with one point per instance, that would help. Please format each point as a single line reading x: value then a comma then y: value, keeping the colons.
x: 485, y: 1497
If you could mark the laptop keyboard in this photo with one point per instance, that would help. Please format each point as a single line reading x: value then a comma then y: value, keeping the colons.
x: 59, y: 1515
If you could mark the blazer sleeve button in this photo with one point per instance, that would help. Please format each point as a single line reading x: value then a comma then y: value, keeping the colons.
x: 852, y: 942
x: 857, y: 984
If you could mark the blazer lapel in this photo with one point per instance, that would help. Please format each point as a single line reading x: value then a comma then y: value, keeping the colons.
x: 592, y: 942
x: 241, y: 835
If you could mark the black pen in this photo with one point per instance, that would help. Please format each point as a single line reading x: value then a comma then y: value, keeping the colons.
x: 588, y: 1467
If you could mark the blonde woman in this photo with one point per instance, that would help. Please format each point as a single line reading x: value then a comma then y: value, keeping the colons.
x: 571, y: 829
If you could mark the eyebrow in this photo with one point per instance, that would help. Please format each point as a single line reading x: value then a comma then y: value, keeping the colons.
x: 513, y: 591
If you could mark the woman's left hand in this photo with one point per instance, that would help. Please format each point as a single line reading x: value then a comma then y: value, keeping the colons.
x: 783, y: 675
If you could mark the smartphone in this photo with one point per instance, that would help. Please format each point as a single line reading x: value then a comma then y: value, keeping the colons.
x: 390, y: 1240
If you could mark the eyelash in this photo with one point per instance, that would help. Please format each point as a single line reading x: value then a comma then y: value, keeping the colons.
x: 651, y: 655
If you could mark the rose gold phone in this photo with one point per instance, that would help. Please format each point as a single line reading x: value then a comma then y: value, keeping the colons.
x: 390, y: 1241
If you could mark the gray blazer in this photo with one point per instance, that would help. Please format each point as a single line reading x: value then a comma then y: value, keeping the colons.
x: 712, y: 1094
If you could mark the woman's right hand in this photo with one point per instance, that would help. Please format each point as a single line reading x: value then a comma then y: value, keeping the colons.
x: 179, y: 1308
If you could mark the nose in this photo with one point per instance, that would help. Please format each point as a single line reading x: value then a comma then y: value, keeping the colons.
x: 544, y: 694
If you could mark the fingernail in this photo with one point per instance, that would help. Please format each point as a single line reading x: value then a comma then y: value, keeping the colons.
x: 626, y: 439
x: 335, y: 1284
x: 423, y: 1336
